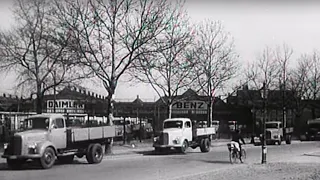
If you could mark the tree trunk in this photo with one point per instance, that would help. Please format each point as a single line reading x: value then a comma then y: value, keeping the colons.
x: 170, y: 110
x: 110, y: 108
x: 39, y: 104
x: 210, y: 112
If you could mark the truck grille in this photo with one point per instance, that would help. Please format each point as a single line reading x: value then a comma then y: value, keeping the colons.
x: 15, y: 146
x: 164, y: 139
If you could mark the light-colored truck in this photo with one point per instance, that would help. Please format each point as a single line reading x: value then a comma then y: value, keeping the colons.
x: 45, y: 138
x: 181, y: 133
x: 276, y: 133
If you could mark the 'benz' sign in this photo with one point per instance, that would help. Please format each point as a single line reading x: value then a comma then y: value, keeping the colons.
x: 64, y: 104
x: 189, y: 105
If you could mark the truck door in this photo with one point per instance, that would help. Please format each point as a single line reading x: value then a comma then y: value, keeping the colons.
x: 187, y: 131
x: 58, y: 133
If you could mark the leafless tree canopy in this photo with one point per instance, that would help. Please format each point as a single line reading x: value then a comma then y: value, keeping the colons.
x: 36, y: 48
x: 168, y: 69
x: 215, y: 59
x: 112, y: 34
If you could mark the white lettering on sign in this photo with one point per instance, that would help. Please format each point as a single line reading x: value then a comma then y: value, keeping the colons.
x: 64, y: 104
x: 189, y: 105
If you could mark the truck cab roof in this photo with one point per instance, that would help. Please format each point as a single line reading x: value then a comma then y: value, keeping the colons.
x: 47, y: 115
x: 273, y: 122
x: 178, y: 119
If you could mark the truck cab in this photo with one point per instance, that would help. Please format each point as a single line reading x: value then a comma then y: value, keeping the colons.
x: 274, y: 132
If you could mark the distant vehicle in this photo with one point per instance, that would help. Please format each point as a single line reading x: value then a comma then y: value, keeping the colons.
x: 232, y: 125
x: 313, y: 129
x: 276, y: 133
x: 181, y: 133
x: 216, y: 124
x: 46, y: 137
x: 118, y: 122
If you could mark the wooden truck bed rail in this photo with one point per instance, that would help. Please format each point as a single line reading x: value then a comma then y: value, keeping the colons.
x: 91, y: 133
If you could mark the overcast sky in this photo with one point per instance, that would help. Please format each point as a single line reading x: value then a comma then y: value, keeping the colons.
x: 253, y: 24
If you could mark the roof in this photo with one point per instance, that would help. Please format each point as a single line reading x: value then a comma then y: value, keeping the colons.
x: 273, y: 122
x: 178, y: 119
x: 46, y: 115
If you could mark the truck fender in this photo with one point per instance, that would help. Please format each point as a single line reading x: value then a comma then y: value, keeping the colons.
x: 184, y: 139
x: 44, y: 145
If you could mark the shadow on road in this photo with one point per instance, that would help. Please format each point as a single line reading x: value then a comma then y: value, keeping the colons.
x: 32, y: 165
x: 168, y: 152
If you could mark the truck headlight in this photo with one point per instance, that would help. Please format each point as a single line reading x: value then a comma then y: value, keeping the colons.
x: 5, y: 146
x: 155, y: 139
x: 177, y: 140
x: 32, y: 148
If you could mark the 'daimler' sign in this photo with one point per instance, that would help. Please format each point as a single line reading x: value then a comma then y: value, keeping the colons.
x: 185, y: 105
x: 61, y: 105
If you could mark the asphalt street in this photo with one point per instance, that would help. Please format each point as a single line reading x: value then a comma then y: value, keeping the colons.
x: 146, y: 165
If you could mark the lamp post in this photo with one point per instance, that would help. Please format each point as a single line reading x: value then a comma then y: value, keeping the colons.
x: 264, y: 147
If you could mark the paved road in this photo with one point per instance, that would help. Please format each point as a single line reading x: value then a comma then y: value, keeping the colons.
x: 148, y: 166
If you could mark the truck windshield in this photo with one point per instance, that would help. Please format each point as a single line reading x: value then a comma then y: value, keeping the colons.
x: 172, y: 124
x: 36, y: 123
x: 271, y: 125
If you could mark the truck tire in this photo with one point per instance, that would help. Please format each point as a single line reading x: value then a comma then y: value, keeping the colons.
x: 184, y: 147
x: 66, y: 159
x: 95, y: 154
x: 205, y: 145
x: 48, y: 158
x: 15, y: 164
x: 279, y: 142
x: 88, y: 157
x: 288, y: 139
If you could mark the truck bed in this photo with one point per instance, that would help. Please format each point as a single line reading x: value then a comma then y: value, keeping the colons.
x: 91, y: 133
x: 206, y: 131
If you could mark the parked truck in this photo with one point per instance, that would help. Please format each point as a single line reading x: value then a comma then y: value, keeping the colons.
x: 181, y: 133
x: 313, y: 129
x: 276, y: 133
x: 45, y: 138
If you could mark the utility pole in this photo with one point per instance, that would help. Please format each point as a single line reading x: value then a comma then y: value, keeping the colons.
x: 264, y: 147
x: 124, y: 130
x: 54, y: 92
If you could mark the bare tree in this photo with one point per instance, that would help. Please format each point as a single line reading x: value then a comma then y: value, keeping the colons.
x: 112, y: 34
x: 217, y: 61
x: 283, y: 55
x: 305, y: 80
x: 168, y: 70
x: 296, y: 82
x: 35, y: 48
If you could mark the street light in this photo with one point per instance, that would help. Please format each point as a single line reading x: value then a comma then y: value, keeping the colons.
x: 264, y: 94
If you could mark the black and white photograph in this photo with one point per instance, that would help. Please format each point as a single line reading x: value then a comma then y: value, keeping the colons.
x: 159, y: 89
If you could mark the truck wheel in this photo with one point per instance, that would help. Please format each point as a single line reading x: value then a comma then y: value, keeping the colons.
x: 88, y: 156
x: 279, y: 142
x: 95, y: 154
x: 15, y: 164
x: 184, y: 147
x: 288, y: 139
x: 48, y: 158
x: 205, y: 145
x: 66, y: 159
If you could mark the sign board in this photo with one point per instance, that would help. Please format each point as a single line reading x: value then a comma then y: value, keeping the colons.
x: 62, y: 105
x: 186, y: 105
